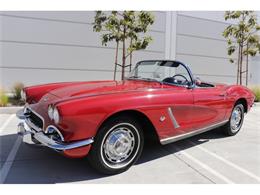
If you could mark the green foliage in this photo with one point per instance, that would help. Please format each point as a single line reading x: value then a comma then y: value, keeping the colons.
x: 3, y: 98
x: 242, y: 37
x: 242, y: 33
x: 17, y: 88
x: 256, y: 91
x: 127, y: 27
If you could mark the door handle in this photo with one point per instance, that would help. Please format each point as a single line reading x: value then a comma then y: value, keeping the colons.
x: 222, y: 95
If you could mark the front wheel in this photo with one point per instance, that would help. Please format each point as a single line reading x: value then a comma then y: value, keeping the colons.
x: 117, y: 146
x: 236, y: 120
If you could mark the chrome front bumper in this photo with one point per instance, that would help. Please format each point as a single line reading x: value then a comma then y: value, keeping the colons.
x: 25, y: 129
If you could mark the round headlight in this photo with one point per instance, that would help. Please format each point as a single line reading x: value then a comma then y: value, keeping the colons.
x: 23, y: 95
x: 56, y: 116
x: 50, y: 111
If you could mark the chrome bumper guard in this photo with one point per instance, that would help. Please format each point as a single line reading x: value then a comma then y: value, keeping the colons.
x: 25, y: 129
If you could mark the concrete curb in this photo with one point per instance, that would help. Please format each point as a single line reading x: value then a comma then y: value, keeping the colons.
x: 10, y: 110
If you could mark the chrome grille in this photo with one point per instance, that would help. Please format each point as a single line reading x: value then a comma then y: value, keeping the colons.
x: 34, y: 118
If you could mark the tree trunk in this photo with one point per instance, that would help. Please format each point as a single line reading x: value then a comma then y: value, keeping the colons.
x: 241, y: 64
x: 130, y: 67
x: 247, y: 65
x: 123, y: 58
x: 238, y: 65
x: 130, y: 61
x: 116, y: 62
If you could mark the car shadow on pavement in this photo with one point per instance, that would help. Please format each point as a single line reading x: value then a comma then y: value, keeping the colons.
x: 153, y: 150
x: 37, y: 164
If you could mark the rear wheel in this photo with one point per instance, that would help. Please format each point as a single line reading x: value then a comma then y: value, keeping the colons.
x: 236, y: 120
x: 117, y: 146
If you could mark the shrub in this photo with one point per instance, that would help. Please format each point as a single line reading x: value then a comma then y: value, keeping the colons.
x: 256, y: 91
x: 3, y: 98
x: 17, y: 88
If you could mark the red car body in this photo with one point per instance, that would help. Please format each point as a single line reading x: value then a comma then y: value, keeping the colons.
x: 85, y: 106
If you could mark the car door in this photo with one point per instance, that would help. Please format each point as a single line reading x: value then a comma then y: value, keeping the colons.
x: 179, y: 111
x: 209, y: 106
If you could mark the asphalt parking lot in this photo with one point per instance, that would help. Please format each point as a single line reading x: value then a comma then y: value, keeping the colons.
x: 206, y: 158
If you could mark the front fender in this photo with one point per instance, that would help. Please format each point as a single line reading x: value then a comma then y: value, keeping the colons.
x: 81, y: 118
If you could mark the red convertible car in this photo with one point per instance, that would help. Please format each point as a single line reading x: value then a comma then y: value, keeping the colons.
x: 110, y: 120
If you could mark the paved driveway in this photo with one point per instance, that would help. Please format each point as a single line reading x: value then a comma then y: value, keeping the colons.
x: 206, y: 158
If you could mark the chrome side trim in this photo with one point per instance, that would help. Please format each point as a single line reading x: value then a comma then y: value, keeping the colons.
x: 189, y: 134
x: 174, y: 122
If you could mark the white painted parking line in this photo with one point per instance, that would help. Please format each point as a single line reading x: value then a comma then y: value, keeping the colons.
x: 9, y: 161
x: 6, y: 122
x: 206, y: 167
x: 226, y: 161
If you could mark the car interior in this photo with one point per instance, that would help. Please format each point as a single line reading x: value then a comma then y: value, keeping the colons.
x: 167, y: 72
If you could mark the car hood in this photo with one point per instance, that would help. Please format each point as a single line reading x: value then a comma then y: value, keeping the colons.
x: 102, y: 87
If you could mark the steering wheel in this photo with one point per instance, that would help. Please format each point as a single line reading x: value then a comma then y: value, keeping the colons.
x: 174, y: 80
x: 180, y: 75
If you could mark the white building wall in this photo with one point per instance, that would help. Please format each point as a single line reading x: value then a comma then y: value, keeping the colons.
x: 255, y: 64
x: 201, y: 45
x: 43, y: 47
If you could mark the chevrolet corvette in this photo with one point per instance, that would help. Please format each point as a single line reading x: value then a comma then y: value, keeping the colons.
x: 108, y: 121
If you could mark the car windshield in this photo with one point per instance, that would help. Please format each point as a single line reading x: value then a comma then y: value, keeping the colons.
x: 169, y: 72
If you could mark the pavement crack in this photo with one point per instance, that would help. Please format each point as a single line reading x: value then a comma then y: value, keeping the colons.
x: 193, y: 168
x: 188, y: 165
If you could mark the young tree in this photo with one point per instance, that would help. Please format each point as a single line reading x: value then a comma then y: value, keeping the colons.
x: 242, y: 38
x: 127, y: 28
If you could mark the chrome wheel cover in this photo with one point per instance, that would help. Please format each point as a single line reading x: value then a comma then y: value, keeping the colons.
x: 120, y: 146
x: 236, y: 119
